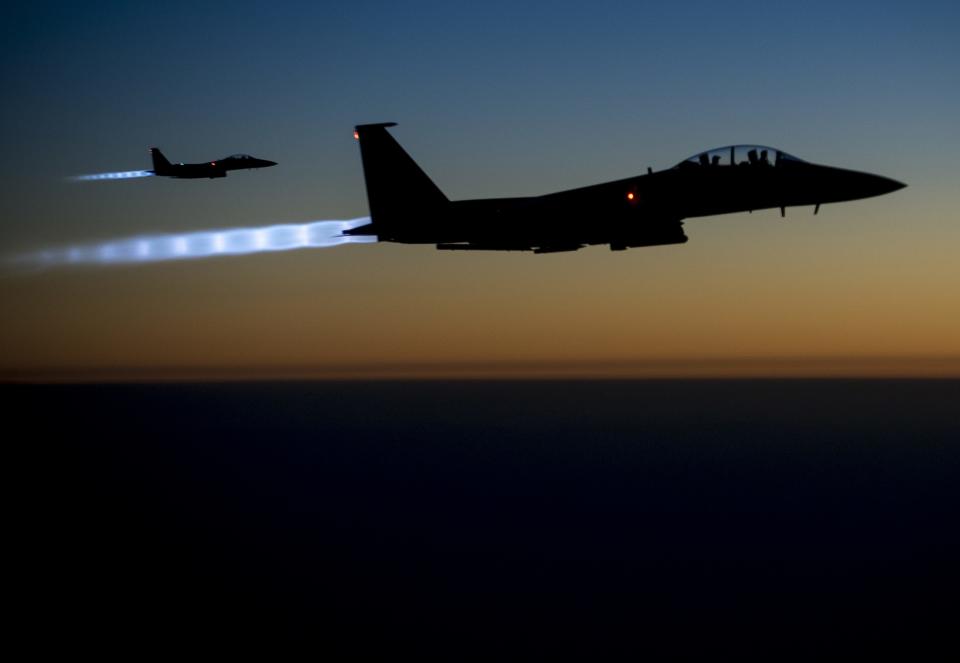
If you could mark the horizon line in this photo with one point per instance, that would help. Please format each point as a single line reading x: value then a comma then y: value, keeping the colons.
x: 825, y: 367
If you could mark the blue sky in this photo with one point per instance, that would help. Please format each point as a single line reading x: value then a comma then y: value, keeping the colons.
x: 492, y: 99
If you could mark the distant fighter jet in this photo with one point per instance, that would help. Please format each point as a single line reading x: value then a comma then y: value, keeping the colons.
x: 647, y: 210
x: 211, y: 169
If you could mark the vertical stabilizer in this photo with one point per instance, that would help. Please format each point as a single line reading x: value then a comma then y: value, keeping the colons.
x: 397, y: 188
x: 160, y: 164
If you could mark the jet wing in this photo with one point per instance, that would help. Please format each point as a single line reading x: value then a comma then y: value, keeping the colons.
x: 658, y: 232
x: 619, y: 236
x: 479, y: 246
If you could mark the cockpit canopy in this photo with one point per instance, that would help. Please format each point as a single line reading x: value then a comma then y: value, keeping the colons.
x: 751, y: 155
x: 239, y: 156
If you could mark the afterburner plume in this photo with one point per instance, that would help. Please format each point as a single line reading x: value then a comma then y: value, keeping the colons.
x: 123, y: 175
x: 200, y: 244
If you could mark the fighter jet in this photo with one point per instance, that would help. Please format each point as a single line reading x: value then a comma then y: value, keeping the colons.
x: 646, y: 210
x: 211, y: 169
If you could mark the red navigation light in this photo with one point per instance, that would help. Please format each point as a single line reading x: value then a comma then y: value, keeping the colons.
x: 356, y: 135
x: 630, y: 195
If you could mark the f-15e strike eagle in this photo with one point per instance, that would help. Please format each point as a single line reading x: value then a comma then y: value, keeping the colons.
x: 211, y: 169
x: 646, y: 210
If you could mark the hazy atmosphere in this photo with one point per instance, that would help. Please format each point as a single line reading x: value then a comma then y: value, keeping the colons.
x: 491, y: 100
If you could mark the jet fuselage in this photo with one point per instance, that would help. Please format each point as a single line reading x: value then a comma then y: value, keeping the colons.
x: 646, y: 210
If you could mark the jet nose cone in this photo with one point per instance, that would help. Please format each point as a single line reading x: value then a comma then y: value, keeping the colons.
x: 267, y: 163
x: 867, y: 186
x: 881, y: 185
x: 896, y: 186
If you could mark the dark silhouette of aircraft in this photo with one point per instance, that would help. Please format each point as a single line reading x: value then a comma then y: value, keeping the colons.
x: 211, y: 169
x: 647, y: 210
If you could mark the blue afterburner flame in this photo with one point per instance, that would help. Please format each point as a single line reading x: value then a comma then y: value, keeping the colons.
x: 124, y: 175
x: 202, y: 244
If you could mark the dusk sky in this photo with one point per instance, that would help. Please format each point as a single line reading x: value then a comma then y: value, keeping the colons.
x: 492, y: 99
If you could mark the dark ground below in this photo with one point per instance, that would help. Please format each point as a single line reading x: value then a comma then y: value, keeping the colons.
x: 589, y: 520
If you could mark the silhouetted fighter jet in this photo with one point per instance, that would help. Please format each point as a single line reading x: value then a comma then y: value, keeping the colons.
x: 209, y: 169
x: 647, y: 210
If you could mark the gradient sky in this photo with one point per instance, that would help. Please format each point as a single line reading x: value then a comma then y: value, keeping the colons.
x: 492, y: 99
